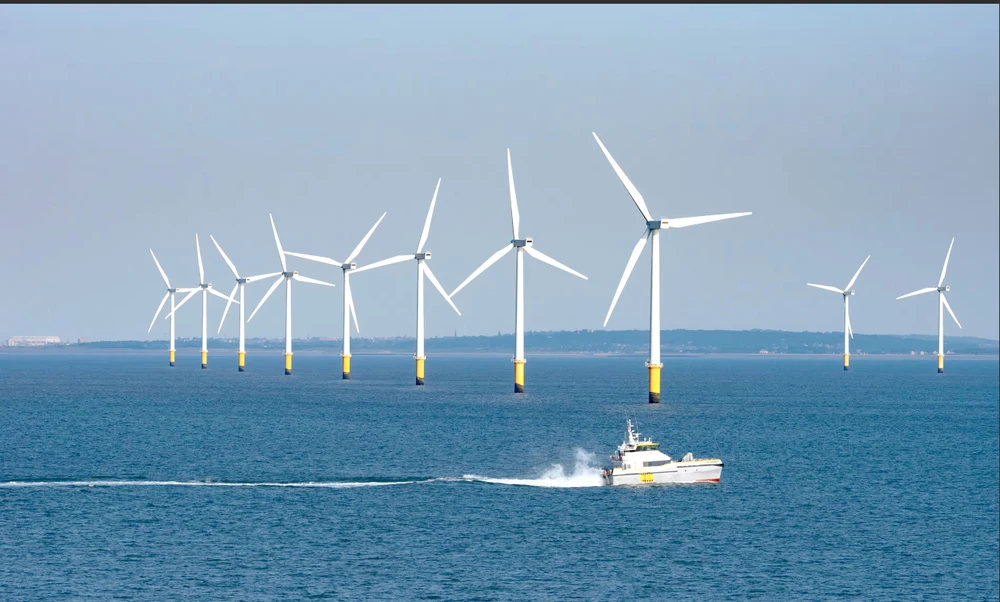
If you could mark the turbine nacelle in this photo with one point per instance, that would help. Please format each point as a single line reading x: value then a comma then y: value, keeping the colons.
x: 943, y: 289
x: 850, y: 292
x: 421, y: 256
x: 347, y: 267
x: 656, y: 224
x: 209, y: 285
x: 289, y: 274
x: 521, y: 242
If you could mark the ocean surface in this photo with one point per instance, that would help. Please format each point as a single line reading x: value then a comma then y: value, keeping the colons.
x: 122, y: 477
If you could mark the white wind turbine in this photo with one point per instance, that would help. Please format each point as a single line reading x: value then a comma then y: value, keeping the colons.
x: 240, y: 283
x: 422, y: 270
x: 287, y: 276
x: 206, y: 289
x: 847, y: 292
x: 171, y: 291
x: 652, y: 230
x: 347, y: 267
x: 942, y: 305
x: 523, y: 245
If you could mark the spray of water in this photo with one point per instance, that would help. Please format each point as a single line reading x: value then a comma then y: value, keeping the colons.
x: 585, y: 473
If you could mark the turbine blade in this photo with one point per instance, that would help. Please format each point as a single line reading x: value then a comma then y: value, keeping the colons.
x: 361, y: 244
x: 825, y: 287
x: 263, y: 276
x: 325, y: 260
x: 948, y: 307
x: 493, y: 259
x: 552, y: 262
x: 856, y: 274
x: 920, y: 292
x: 162, y: 273
x: 430, y: 276
x: 266, y: 295
x: 232, y: 267
x: 684, y: 222
x: 515, y: 216
x: 310, y: 280
x: 212, y: 291
x: 281, y: 252
x: 384, y: 262
x: 350, y: 305
x: 944, y: 269
x: 201, y: 266
x: 632, y: 191
x: 158, y: 310
x: 628, y: 270
x: 427, y: 222
x: 232, y: 297
x: 190, y: 293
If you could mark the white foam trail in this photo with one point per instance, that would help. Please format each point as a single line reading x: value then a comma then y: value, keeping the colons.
x: 585, y: 474
x: 125, y: 483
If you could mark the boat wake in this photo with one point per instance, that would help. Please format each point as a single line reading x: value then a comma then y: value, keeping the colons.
x: 585, y: 474
x: 139, y: 483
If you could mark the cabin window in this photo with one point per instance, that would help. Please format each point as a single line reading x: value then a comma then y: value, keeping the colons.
x: 656, y: 463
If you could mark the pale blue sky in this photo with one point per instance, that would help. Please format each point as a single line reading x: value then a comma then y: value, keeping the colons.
x: 848, y: 131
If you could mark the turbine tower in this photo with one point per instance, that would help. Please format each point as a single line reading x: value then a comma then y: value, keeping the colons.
x: 287, y: 276
x: 523, y: 245
x: 652, y: 230
x: 942, y: 305
x: 206, y: 289
x: 346, y: 267
x: 847, y: 292
x: 171, y: 295
x: 422, y: 270
x: 240, y: 282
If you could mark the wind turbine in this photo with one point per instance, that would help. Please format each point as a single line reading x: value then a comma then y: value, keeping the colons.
x: 171, y: 291
x: 240, y: 282
x: 422, y: 270
x: 523, y: 245
x: 652, y: 230
x: 847, y: 292
x: 942, y: 305
x: 287, y: 276
x: 347, y: 267
x: 206, y: 289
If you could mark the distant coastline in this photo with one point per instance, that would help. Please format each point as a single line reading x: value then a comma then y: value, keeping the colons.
x: 621, y: 343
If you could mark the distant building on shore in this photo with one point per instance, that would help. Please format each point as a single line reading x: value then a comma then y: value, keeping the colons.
x: 32, y: 341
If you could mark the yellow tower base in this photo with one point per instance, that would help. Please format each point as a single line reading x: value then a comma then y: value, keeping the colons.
x: 288, y: 364
x: 654, y: 382
x: 243, y: 359
x: 172, y: 352
x: 847, y: 361
x: 420, y: 370
x: 346, y: 361
x: 940, y: 364
x: 519, y: 376
x: 204, y: 360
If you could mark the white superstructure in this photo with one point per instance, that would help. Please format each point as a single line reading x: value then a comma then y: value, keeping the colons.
x: 639, y: 462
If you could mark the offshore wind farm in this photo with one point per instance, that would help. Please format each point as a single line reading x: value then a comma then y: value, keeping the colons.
x: 747, y: 427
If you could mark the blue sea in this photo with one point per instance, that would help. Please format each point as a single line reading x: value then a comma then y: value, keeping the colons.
x: 123, y: 478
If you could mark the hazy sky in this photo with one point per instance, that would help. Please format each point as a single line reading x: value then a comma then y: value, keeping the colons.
x: 848, y: 131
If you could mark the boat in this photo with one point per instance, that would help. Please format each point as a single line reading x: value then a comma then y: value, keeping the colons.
x: 640, y: 462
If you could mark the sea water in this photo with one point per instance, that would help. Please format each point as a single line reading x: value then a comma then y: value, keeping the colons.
x: 122, y: 477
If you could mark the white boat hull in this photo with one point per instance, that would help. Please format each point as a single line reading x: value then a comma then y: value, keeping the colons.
x: 697, y: 471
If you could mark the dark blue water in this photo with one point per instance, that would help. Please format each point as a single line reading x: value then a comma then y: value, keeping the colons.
x: 120, y: 477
